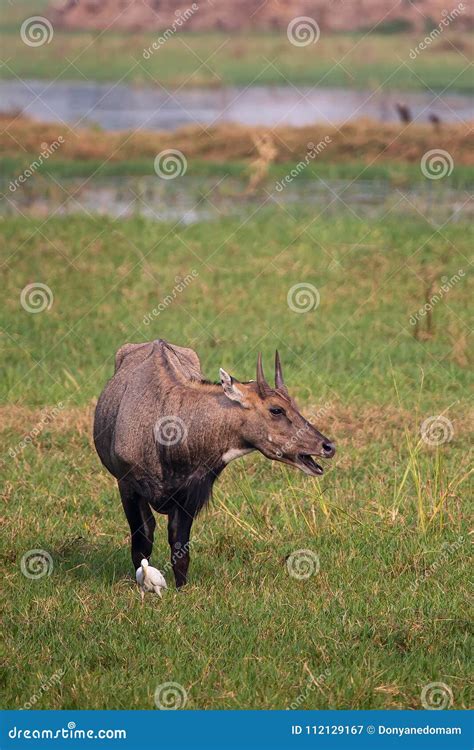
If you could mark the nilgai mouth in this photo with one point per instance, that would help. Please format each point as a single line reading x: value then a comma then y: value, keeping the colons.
x: 306, y: 462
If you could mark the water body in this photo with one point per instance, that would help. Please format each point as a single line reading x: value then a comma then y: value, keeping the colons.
x: 124, y: 107
x: 194, y: 199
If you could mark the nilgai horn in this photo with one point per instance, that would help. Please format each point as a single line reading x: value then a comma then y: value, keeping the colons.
x: 165, y: 434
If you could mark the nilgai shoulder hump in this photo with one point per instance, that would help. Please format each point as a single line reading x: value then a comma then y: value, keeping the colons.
x: 179, y: 361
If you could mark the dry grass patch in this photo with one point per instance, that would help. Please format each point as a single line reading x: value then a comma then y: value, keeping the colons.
x: 364, y: 140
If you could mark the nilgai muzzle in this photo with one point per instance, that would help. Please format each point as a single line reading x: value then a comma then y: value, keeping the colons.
x: 165, y: 433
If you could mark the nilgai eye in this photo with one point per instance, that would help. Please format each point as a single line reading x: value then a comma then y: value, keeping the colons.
x: 275, y: 410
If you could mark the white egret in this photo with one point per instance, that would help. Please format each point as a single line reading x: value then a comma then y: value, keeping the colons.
x: 149, y: 579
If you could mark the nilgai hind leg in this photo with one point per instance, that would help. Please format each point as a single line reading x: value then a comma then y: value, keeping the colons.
x: 141, y: 521
x: 179, y: 529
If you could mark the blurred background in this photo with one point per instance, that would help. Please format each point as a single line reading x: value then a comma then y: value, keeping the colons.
x: 237, y: 88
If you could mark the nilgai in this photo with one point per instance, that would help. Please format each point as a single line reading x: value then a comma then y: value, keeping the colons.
x: 165, y: 433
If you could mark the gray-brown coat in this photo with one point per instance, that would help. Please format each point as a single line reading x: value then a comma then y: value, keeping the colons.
x: 165, y: 434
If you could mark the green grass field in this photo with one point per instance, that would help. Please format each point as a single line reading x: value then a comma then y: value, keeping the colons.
x: 215, y: 58
x: 397, y: 173
x: 388, y: 611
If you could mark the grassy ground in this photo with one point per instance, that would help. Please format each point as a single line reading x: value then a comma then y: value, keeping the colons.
x: 398, y: 174
x: 203, y: 59
x: 388, y: 611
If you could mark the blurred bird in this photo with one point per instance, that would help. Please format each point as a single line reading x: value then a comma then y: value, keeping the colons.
x: 403, y: 112
x: 435, y: 121
x: 149, y: 579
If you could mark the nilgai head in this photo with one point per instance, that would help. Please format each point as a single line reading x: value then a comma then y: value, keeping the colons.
x: 272, y: 423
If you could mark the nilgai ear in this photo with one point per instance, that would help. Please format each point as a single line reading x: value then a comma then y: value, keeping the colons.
x: 231, y: 387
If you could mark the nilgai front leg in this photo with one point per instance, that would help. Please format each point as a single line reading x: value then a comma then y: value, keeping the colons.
x: 179, y: 530
x: 141, y: 521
